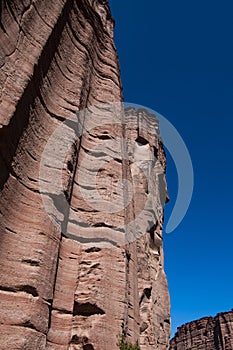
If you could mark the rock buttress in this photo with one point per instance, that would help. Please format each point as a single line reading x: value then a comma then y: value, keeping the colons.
x: 208, y: 333
x: 67, y: 281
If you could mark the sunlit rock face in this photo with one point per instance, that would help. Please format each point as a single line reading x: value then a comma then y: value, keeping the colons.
x: 208, y: 333
x: 82, y: 187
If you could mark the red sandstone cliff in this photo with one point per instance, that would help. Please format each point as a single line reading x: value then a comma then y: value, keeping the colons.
x: 75, y: 283
x: 208, y: 333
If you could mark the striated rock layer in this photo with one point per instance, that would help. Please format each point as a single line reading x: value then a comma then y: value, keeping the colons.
x: 208, y: 333
x: 81, y: 201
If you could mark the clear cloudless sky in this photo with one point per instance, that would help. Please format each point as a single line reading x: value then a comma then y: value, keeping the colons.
x: 176, y: 57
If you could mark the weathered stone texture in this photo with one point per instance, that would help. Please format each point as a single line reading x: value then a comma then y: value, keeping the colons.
x: 60, y: 289
x: 208, y: 333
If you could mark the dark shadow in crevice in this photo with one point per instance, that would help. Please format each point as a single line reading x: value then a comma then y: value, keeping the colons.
x: 86, y: 309
x: 141, y: 141
x: 218, y: 341
x: 88, y: 347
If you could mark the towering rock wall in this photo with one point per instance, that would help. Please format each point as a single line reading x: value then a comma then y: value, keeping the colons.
x: 81, y: 257
x: 208, y: 333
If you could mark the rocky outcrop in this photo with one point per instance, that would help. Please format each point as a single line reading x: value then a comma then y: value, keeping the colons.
x: 81, y: 201
x: 208, y: 333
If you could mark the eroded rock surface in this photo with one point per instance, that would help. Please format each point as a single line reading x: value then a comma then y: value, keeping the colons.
x: 81, y: 257
x: 208, y: 333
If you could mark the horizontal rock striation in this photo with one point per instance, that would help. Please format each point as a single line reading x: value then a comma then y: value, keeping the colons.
x: 208, y: 333
x: 82, y: 187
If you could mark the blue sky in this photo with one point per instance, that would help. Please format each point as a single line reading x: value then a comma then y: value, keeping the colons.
x: 176, y: 57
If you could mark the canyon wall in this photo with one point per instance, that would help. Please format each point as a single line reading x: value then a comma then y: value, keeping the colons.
x: 82, y: 187
x: 208, y: 333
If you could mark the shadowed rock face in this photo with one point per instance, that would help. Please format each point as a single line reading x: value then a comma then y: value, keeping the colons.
x: 74, y: 273
x: 209, y: 333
